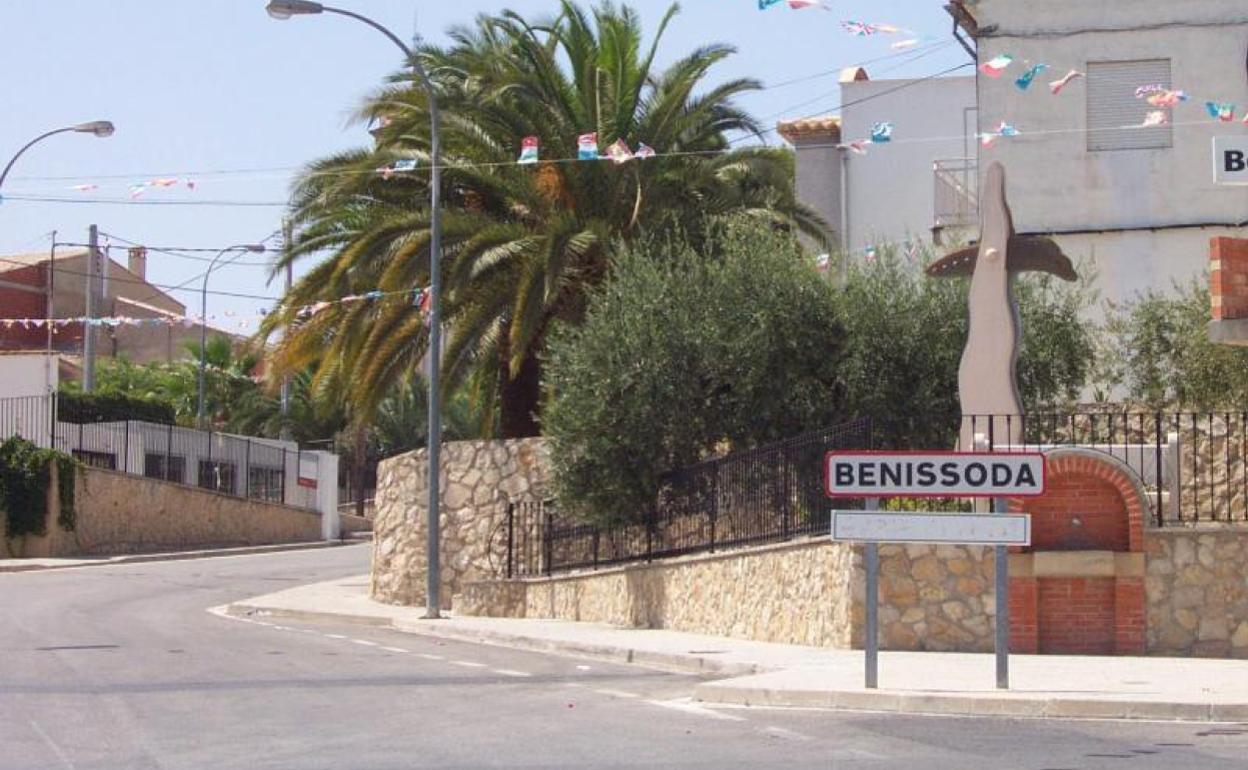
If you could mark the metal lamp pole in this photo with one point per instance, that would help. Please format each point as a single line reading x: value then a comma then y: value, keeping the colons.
x: 256, y: 248
x: 284, y: 9
x: 100, y: 128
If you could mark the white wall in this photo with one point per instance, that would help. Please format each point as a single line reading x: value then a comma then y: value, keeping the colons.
x: 27, y: 374
x: 890, y: 188
x: 1055, y: 184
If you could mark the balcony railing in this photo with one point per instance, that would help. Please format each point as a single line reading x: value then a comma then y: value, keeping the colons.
x: 956, y: 195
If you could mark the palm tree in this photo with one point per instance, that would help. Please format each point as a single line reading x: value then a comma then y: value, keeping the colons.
x: 523, y: 246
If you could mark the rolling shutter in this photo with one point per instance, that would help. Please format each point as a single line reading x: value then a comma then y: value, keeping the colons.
x: 1114, y: 113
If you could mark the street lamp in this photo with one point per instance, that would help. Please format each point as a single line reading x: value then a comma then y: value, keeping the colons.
x: 245, y: 248
x: 282, y: 10
x: 100, y: 128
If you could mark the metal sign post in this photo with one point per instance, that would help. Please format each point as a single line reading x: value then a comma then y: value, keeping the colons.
x: 872, y: 475
x: 1002, y: 590
x: 871, y: 638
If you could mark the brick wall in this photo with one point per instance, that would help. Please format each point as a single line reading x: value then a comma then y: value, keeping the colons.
x: 1080, y: 512
x: 1228, y: 277
x: 17, y: 303
x: 1075, y: 615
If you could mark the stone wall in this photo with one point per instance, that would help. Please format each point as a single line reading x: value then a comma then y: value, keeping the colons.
x: 809, y: 592
x: 1196, y: 583
x: 118, y: 513
x: 477, y: 480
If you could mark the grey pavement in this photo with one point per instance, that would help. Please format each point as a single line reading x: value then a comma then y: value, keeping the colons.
x: 123, y: 667
x: 762, y: 674
x: 39, y: 563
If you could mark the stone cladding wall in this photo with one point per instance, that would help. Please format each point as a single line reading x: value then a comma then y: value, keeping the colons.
x: 478, y: 480
x: 1196, y: 582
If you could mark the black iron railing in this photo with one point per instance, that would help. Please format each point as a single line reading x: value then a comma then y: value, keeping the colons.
x: 1193, y: 466
x: 770, y: 494
x: 255, y: 469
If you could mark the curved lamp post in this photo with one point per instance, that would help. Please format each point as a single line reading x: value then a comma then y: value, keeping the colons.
x: 100, y: 128
x: 282, y: 10
x: 245, y: 248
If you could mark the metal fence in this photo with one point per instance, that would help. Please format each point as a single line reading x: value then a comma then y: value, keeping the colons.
x: 257, y: 469
x: 1193, y: 466
x: 770, y: 494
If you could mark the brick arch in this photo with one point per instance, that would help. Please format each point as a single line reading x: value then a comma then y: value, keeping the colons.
x: 1101, y: 492
x: 1081, y: 603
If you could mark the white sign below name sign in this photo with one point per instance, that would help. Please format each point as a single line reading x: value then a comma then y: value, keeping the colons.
x: 951, y: 528
x: 1230, y: 160
x: 934, y: 474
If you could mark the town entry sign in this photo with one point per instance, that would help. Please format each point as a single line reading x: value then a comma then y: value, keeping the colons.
x: 934, y: 474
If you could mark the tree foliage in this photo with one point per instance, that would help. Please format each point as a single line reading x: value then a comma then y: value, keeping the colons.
x: 1158, y: 351
x: 686, y: 353
x: 523, y: 246
x: 905, y: 333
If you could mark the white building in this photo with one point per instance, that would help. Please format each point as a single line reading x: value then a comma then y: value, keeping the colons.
x: 890, y: 193
x: 1137, y: 204
x: 242, y: 466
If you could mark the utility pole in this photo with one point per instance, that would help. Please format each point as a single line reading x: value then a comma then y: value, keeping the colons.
x: 88, y: 331
x: 287, y: 235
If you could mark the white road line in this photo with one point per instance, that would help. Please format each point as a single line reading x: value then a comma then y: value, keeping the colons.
x: 336, y: 636
x: 782, y: 732
x: 427, y: 656
x: 393, y: 649
x: 365, y: 642
x: 510, y: 672
x: 60, y: 754
x: 467, y: 664
x: 617, y: 693
x: 689, y: 707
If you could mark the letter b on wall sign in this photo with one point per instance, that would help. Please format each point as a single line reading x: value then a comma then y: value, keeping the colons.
x: 1230, y: 160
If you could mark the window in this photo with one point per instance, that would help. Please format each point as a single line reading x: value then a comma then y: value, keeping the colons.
x: 164, y: 467
x: 217, y: 476
x: 1115, y: 114
x: 97, y: 459
x: 265, y: 484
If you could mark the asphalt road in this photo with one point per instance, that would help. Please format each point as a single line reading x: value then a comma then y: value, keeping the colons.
x: 123, y: 667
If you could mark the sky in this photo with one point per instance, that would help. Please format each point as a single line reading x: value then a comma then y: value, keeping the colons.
x: 217, y: 92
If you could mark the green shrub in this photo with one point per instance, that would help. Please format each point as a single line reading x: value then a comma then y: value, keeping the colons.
x: 682, y: 356
x: 905, y: 336
x: 111, y: 407
x: 25, y: 472
x: 1158, y: 350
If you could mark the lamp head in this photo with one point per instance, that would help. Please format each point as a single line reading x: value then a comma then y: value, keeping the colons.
x: 254, y: 248
x: 101, y: 128
x: 284, y: 9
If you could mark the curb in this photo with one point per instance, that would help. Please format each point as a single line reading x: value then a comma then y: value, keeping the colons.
x: 674, y: 662
x: 140, y: 558
x: 671, y: 662
x: 726, y: 693
x: 724, y: 690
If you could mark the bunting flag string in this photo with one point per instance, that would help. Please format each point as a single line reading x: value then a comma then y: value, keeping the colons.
x: 420, y: 298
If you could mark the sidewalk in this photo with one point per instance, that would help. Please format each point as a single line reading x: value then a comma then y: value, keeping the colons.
x: 28, y: 565
x: 763, y: 674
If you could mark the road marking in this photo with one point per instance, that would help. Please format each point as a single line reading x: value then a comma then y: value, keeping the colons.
x: 510, y: 672
x: 365, y: 642
x: 617, y: 693
x: 689, y: 707
x: 51, y: 744
x: 782, y: 732
x: 336, y: 636
x: 393, y: 649
x: 427, y: 656
x: 467, y: 664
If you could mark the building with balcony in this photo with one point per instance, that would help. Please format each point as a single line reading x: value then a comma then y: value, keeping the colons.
x: 919, y: 187
x: 1137, y: 206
